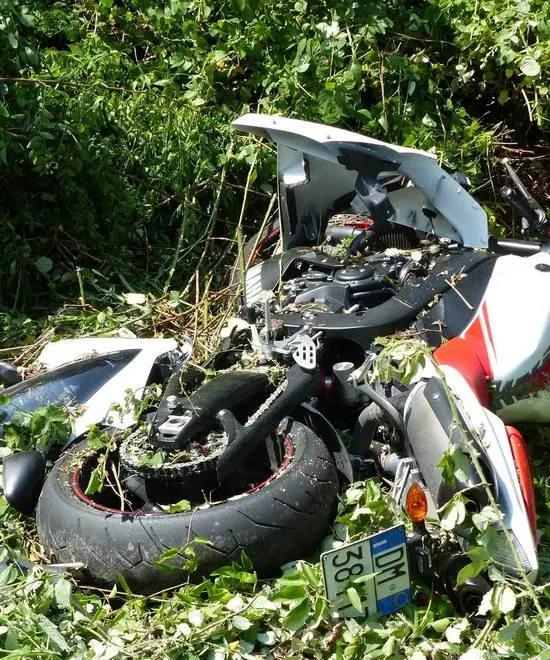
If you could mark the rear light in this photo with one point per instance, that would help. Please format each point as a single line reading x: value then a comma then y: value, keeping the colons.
x: 525, y: 476
x: 416, y: 503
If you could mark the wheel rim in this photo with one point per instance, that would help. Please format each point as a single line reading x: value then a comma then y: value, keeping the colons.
x: 275, y: 457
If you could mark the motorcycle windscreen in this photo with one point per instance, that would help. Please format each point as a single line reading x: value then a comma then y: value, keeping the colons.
x: 70, y: 385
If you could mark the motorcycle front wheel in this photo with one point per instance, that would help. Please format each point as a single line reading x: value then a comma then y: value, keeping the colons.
x: 276, y: 520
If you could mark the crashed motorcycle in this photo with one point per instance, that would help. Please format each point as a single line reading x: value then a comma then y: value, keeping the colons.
x: 374, y: 239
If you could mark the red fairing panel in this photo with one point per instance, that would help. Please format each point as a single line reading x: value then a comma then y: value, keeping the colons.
x: 460, y: 354
x: 480, y: 337
x: 525, y: 476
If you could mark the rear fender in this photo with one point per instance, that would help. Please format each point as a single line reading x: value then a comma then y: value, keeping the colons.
x: 311, y: 417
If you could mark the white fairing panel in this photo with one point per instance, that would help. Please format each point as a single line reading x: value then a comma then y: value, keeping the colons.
x: 315, y: 148
x: 132, y: 377
x: 493, y: 437
x: 515, y: 317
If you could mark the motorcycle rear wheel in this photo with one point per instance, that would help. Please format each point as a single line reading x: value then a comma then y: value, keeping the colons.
x: 273, y: 522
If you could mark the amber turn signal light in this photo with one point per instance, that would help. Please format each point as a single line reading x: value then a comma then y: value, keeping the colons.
x: 416, y: 503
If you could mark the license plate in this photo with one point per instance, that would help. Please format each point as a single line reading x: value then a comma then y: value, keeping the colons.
x: 382, y: 556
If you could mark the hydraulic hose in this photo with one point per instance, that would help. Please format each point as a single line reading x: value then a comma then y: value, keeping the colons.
x: 391, y: 411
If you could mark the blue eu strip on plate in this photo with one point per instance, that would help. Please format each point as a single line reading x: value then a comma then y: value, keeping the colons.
x: 381, y: 560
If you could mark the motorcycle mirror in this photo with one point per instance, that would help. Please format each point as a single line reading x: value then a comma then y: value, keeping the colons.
x: 23, y: 475
x: 9, y: 374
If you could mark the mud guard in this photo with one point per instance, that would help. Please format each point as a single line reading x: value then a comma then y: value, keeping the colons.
x: 315, y: 420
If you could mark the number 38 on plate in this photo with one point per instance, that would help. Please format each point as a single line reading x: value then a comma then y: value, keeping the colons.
x: 381, y: 559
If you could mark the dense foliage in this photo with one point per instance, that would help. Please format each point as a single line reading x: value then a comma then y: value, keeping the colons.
x: 114, y: 115
x: 118, y: 169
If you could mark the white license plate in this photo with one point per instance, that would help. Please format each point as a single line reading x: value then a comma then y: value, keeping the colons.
x: 382, y: 555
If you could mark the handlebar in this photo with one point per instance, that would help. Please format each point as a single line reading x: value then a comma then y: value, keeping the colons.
x: 517, y: 246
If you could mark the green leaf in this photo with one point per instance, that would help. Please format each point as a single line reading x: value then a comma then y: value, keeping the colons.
x: 355, y: 598
x: 298, y: 615
x: 95, y: 484
x: 469, y: 571
x: 504, y: 599
x: 484, y: 518
x: 508, y: 634
x: 13, y: 40
x: 241, y: 622
x: 479, y: 553
x: 26, y: 19
x: 310, y: 574
x: 268, y: 638
x: 124, y: 584
x: 169, y: 554
x: 43, y: 264
x: 52, y: 632
x: 195, y: 618
x: 387, y: 649
x: 447, y: 467
x: 454, y: 514
x: 63, y: 590
x: 290, y: 593
x: 428, y: 121
x: 439, y: 625
x: 463, y: 468
x: 263, y: 603
x: 529, y: 66
x: 178, y: 507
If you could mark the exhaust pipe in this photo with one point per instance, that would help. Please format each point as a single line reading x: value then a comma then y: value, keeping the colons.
x: 466, y: 598
x: 430, y: 431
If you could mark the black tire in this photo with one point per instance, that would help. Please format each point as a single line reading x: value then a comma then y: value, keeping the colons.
x: 277, y: 521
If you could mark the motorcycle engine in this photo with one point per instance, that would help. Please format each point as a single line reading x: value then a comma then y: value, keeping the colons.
x: 310, y: 279
x: 351, y: 288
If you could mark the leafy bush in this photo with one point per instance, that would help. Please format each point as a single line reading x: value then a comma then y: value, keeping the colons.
x: 114, y: 115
